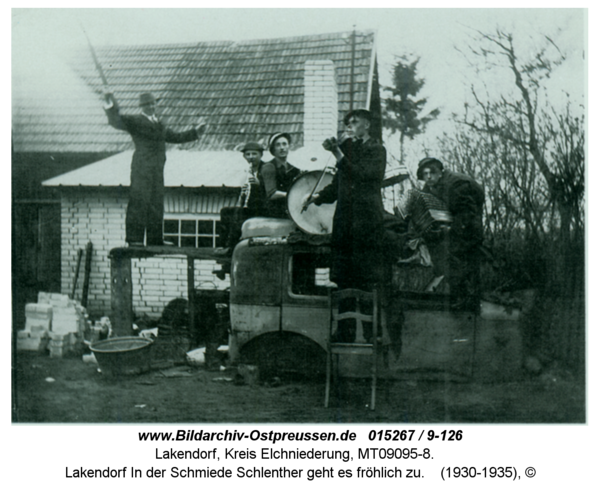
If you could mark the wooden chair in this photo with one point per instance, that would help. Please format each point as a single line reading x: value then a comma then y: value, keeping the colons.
x: 360, y: 345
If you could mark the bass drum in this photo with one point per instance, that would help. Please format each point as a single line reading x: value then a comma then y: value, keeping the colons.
x: 316, y: 220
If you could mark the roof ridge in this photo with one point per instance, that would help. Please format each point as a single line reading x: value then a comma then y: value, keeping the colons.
x: 251, y: 42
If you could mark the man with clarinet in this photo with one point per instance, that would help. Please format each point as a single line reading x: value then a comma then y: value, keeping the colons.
x: 251, y: 202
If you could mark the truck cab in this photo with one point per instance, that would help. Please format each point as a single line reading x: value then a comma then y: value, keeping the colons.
x: 280, y: 315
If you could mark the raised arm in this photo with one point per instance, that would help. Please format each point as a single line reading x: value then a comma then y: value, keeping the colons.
x: 112, y: 112
x: 186, y: 136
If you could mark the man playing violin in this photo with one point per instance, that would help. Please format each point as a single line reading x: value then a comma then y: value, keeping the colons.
x: 357, y: 232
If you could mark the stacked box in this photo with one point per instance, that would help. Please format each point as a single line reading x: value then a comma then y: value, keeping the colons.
x: 54, y: 299
x: 66, y: 319
x: 62, y: 344
x: 38, y: 318
x: 56, y: 322
x: 38, y: 322
x: 32, y: 342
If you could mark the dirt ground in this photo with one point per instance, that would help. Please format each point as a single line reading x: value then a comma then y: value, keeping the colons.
x: 67, y: 390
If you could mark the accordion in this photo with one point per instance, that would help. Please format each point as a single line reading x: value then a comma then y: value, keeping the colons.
x: 424, y: 210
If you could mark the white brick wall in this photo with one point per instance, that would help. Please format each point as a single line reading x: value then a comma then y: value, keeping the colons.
x: 100, y: 218
x: 320, y: 101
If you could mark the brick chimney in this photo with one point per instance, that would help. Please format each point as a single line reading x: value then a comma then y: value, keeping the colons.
x: 320, y: 101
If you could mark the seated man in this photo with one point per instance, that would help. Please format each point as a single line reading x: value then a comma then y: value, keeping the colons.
x: 251, y: 203
x: 464, y: 199
x: 425, y: 219
x: 278, y: 175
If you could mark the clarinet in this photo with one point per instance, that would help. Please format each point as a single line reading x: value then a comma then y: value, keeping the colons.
x: 246, y: 189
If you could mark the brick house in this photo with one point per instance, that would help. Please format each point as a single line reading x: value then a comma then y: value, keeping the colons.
x: 245, y: 90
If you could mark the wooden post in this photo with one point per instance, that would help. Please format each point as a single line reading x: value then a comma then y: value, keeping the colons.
x: 86, y: 274
x: 191, y: 295
x: 79, y: 256
x: 121, y: 295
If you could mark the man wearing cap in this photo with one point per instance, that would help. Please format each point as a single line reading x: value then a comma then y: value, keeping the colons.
x: 146, y: 191
x: 278, y: 175
x: 357, y: 233
x: 251, y: 203
x: 464, y: 198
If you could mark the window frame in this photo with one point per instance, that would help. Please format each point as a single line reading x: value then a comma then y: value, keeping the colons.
x: 180, y: 217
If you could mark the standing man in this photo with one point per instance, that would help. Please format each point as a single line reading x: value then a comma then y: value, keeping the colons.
x: 146, y: 191
x: 251, y: 203
x: 464, y: 198
x: 357, y: 233
x: 278, y: 175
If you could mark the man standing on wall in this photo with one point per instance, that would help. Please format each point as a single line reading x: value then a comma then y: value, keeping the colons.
x: 146, y: 190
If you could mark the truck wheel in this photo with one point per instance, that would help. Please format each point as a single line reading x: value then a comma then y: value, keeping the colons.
x: 288, y: 355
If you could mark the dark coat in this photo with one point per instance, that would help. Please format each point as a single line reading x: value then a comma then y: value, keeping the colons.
x: 148, y: 137
x: 275, y: 178
x: 464, y: 198
x: 358, y: 220
x: 458, y: 256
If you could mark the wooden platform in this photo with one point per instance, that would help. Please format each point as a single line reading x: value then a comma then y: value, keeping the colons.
x: 121, y: 283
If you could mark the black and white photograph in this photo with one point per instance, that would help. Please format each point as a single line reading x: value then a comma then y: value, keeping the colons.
x: 299, y: 216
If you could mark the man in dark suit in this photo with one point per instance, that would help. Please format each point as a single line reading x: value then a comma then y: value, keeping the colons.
x: 146, y: 191
x: 357, y: 234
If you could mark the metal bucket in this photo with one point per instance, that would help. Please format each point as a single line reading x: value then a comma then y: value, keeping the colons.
x: 123, y: 355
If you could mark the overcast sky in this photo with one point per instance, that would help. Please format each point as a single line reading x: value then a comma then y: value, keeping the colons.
x: 40, y: 35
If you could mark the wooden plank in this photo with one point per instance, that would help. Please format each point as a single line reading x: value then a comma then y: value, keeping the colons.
x: 191, y: 290
x: 86, y: 274
x: 121, y: 294
x: 202, y: 253
x: 79, y: 256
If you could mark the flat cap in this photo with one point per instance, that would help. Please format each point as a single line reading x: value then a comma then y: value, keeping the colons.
x: 427, y: 162
x: 276, y: 136
x: 359, y: 113
x: 252, y: 146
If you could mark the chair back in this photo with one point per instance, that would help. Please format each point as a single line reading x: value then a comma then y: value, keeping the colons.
x: 361, y: 306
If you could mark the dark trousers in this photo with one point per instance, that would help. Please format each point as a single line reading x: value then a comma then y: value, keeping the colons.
x: 145, y: 210
x: 230, y: 227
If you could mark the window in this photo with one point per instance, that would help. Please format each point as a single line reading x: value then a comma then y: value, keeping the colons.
x: 188, y: 231
x: 310, y: 274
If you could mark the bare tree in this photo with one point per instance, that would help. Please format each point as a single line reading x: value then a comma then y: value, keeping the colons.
x: 549, y: 137
x: 529, y: 150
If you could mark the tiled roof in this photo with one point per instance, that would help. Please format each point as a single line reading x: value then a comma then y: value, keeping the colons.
x: 245, y: 90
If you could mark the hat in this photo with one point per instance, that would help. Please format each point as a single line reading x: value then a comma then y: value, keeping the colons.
x: 252, y: 146
x: 360, y: 113
x: 427, y: 162
x: 147, y: 98
x: 276, y: 136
